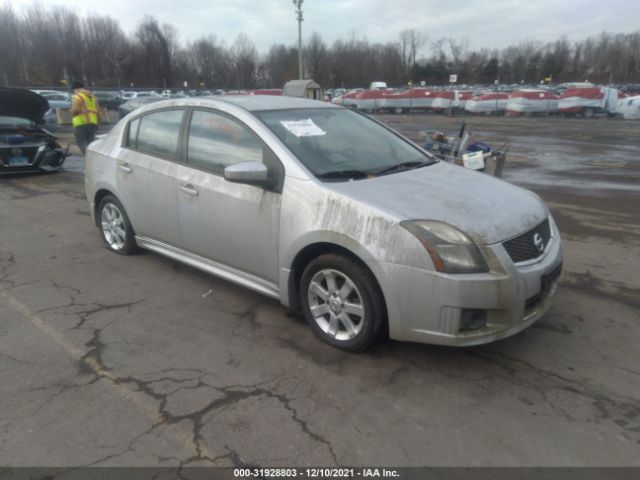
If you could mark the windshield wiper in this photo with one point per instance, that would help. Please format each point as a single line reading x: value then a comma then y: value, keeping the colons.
x: 344, y: 174
x: 400, y: 167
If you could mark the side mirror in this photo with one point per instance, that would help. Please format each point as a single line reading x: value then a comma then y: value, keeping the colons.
x: 252, y: 173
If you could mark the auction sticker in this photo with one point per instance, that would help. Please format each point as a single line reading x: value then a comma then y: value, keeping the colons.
x: 303, y: 128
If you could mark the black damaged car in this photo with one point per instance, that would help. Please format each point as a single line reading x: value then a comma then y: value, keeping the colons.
x: 24, y: 145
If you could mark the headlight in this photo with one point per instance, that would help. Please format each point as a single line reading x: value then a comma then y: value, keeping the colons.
x: 451, y: 250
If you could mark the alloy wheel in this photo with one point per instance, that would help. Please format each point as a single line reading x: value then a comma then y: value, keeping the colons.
x: 336, y: 304
x: 113, y: 226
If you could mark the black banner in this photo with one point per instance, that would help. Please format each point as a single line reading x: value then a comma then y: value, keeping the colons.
x: 248, y: 472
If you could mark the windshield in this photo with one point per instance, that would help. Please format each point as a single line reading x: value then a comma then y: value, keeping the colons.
x: 336, y: 143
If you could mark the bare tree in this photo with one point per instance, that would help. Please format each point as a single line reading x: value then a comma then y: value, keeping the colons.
x: 211, y: 62
x: 40, y: 43
x: 280, y: 65
x: 317, y: 59
x: 159, y: 46
x: 245, y: 59
x: 12, y: 64
x: 458, y: 50
x: 411, y: 42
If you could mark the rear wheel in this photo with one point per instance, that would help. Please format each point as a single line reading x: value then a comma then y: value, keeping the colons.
x: 342, y: 302
x: 115, y: 228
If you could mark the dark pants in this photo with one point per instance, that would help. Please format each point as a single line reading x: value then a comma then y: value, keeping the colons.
x: 85, y: 134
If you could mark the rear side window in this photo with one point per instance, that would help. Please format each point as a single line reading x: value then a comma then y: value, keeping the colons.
x: 157, y: 134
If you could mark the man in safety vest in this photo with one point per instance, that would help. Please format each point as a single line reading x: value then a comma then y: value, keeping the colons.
x: 86, y: 115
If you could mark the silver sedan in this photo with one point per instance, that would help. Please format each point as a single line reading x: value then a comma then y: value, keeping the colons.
x: 328, y: 211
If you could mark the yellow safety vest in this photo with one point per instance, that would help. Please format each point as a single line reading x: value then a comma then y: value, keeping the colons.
x: 89, y: 114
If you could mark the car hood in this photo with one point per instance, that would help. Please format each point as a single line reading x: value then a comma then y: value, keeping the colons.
x: 15, y: 102
x: 487, y: 209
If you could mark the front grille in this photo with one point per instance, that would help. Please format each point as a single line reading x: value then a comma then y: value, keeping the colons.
x: 524, y: 247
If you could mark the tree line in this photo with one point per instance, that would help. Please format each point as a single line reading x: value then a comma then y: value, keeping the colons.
x: 42, y: 46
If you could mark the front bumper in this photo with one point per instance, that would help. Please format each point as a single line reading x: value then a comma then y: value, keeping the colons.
x: 46, y: 159
x: 428, y: 307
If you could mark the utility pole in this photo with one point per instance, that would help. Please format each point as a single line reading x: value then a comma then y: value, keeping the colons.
x: 298, y: 4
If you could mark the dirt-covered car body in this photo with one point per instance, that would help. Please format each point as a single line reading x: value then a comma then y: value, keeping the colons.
x: 324, y: 208
x: 24, y: 145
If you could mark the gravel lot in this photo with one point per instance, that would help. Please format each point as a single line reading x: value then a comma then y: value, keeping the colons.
x: 110, y: 360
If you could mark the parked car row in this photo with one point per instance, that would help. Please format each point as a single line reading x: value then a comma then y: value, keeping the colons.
x: 585, y: 101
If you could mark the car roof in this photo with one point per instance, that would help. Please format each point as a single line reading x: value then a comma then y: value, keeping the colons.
x: 255, y: 103
x: 248, y: 103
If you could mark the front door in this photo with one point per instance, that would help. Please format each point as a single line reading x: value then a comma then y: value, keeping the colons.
x: 233, y: 224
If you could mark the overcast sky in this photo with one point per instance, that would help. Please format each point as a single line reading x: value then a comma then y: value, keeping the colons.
x: 487, y: 23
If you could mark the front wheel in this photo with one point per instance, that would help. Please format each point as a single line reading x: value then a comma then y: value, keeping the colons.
x: 342, y: 302
x: 115, y: 228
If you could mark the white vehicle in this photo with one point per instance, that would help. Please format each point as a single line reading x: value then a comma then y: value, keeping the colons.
x: 530, y: 101
x: 378, y: 86
x: 131, y: 95
x: 446, y: 99
x: 588, y: 101
x: 629, y: 108
x: 368, y: 100
x: 489, y: 103
x: 413, y: 98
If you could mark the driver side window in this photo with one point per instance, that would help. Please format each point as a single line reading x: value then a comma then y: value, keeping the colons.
x: 216, y: 141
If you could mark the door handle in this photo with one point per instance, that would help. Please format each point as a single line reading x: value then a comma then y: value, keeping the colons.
x: 125, y: 167
x: 189, y: 190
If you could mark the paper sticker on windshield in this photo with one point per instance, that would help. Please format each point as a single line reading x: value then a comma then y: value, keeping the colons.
x: 303, y: 128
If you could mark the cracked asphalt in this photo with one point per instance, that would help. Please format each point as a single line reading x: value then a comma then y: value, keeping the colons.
x: 141, y: 361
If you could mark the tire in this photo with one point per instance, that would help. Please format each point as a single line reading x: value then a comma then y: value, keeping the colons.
x: 115, y: 227
x: 588, y: 113
x: 347, y: 304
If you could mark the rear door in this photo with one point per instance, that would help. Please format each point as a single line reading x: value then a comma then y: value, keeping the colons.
x: 146, y: 174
